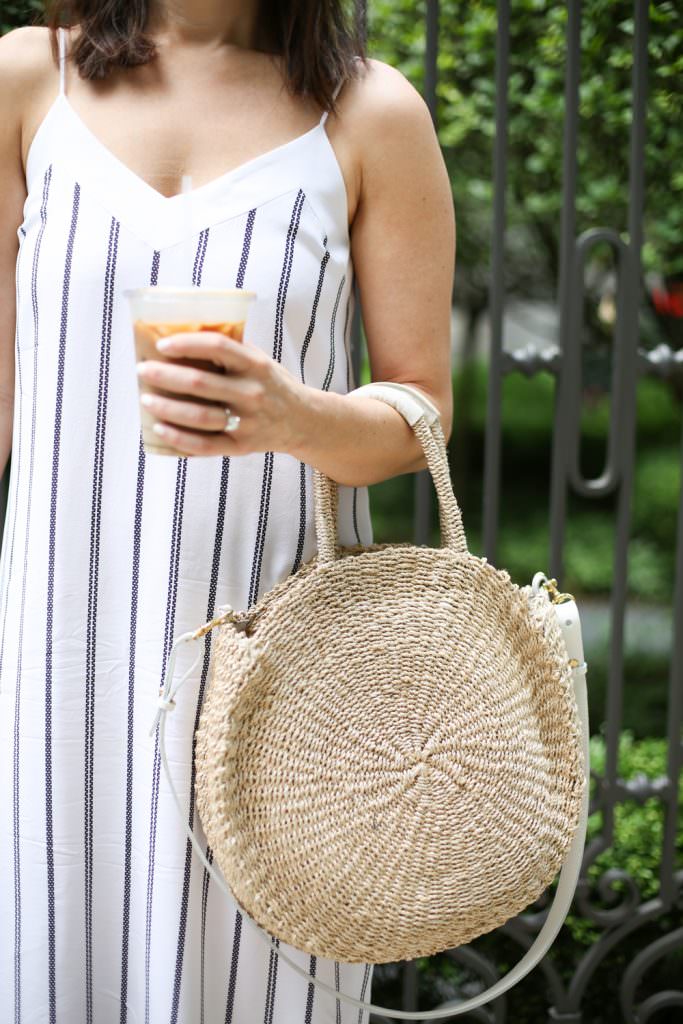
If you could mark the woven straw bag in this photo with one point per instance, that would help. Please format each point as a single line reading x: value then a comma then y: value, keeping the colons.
x: 392, y: 754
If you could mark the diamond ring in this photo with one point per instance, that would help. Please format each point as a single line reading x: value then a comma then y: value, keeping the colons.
x: 232, y: 421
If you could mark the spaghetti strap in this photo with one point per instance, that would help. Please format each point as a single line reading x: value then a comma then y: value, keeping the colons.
x: 334, y: 96
x: 61, y: 34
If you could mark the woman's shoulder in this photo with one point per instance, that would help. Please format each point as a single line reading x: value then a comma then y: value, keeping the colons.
x: 28, y: 73
x: 385, y: 89
x: 26, y: 58
x: 29, y: 83
x: 382, y: 107
x: 385, y: 119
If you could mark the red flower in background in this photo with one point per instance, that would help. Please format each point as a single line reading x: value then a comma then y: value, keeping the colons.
x: 669, y: 302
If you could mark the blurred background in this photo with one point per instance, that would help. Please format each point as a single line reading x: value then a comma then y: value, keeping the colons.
x: 562, y: 128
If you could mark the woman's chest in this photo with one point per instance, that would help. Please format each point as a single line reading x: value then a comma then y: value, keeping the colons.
x: 83, y: 171
x: 188, y: 142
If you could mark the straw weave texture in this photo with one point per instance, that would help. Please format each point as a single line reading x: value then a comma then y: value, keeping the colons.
x: 388, y: 755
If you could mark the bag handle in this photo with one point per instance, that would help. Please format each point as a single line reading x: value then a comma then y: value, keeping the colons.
x: 571, y: 630
x: 423, y: 416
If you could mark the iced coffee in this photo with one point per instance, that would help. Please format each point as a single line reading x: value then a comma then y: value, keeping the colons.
x: 160, y: 312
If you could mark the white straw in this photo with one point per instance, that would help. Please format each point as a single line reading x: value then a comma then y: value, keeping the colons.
x: 185, y: 189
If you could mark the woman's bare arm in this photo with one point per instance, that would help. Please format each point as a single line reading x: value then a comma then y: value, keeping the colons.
x: 24, y: 65
x: 403, y: 245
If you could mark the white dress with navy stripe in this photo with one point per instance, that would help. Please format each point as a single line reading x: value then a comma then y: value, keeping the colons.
x: 106, y: 915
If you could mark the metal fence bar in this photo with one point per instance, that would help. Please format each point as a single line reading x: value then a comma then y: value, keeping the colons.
x: 493, y: 440
x: 567, y: 381
x: 674, y: 765
x: 626, y: 340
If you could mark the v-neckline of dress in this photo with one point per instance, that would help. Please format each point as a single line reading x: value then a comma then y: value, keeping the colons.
x: 232, y: 174
x: 162, y: 220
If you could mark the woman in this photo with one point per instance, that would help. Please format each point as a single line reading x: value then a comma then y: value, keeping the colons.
x: 108, y: 553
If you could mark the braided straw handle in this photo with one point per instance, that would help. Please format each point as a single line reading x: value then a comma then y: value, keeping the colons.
x: 423, y: 416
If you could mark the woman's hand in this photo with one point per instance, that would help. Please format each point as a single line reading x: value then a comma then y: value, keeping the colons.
x: 354, y: 440
x: 265, y: 395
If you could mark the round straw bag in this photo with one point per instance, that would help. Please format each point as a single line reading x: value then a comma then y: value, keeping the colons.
x: 392, y: 752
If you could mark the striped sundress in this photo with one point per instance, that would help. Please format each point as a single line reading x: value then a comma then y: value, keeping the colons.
x: 106, y: 915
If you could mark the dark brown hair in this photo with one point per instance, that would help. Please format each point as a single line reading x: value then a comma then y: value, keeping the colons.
x: 317, y: 39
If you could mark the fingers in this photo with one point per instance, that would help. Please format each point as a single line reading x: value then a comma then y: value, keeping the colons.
x: 240, y: 357
x: 185, y: 414
x: 187, y: 443
x: 243, y: 388
x: 247, y: 394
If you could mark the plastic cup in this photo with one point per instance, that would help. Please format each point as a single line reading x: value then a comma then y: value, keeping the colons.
x: 160, y: 311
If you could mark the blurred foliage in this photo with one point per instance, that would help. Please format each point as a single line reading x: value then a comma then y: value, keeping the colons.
x: 14, y: 13
x: 466, y: 120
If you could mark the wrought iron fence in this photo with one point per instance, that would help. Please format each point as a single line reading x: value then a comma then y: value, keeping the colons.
x: 615, y: 905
